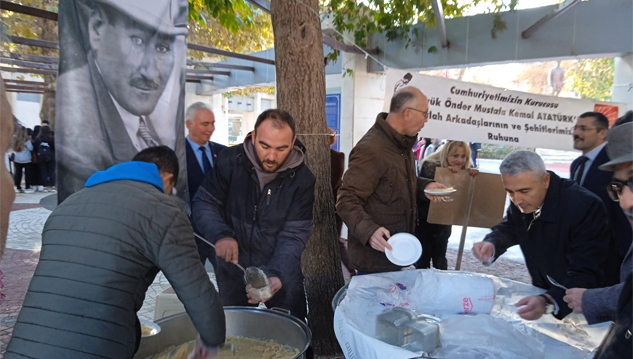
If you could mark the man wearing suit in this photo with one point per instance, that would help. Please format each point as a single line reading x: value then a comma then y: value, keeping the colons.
x: 589, y: 136
x: 107, y: 100
x: 614, y: 303
x: 201, y: 155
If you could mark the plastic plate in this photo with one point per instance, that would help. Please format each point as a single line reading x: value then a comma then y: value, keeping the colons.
x: 440, y: 191
x: 406, y: 249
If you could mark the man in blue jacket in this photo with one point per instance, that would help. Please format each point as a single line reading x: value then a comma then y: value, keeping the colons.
x: 256, y: 207
x: 101, y: 250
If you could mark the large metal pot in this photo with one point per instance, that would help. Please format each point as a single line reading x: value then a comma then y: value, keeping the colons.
x: 258, y: 323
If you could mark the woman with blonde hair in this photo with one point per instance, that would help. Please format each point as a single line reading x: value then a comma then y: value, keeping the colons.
x: 456, y: 156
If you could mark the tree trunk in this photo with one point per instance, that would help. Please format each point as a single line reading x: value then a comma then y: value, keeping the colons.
x: 301, y: 92
x: 49, y: 33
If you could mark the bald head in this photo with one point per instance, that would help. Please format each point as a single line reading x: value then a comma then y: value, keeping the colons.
x: 408, y: 111
x: 407, y: 97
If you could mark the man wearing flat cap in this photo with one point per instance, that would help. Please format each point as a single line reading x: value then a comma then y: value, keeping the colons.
x: 124, y: 95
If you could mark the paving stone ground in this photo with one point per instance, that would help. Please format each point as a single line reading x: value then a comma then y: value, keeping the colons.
x: 24, y: 243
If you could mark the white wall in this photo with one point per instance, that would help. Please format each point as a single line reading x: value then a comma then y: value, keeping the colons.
x: 28, y: 113
x: 362, y: 96
x: 219, y: 106
x: 623, y: 81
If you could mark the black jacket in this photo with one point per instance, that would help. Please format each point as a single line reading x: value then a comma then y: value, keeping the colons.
x: 570, y: 241
x: 271, y: 226
x: 596, y: 181
x: 618, y: 342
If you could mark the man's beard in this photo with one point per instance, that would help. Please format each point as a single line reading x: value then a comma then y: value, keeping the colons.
x: 265, y: 169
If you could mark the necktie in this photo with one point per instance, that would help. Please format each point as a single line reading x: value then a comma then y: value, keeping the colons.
x: 143, y: 132
x: 581, y: 169
x: 206, y: 164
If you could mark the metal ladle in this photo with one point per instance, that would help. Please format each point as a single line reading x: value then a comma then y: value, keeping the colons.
x: 252, y: 275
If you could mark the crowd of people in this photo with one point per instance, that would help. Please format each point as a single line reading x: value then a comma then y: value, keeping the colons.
x: 252, y: 205
x: 32, y: 154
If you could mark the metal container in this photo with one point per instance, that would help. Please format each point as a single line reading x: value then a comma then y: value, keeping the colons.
x: 257, y: 323
x: 339, y: 296
x: 404, y: 328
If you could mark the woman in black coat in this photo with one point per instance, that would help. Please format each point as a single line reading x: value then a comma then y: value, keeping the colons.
x: 455, y: 156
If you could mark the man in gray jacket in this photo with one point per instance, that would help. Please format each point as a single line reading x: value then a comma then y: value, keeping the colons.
x: 101, y: 249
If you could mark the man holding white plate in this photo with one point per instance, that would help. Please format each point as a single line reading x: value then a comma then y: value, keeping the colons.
x: 378, y: 196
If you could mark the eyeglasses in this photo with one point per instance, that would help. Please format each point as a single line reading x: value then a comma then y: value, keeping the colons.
x: 583, y: 128
x: 615, y: 187
x: 424, y: 113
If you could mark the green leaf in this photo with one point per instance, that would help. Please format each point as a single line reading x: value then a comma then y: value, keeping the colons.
x: 432, y: 50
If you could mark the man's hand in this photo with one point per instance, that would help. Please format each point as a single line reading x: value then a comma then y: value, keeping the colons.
x: 275, y: 286
x: 431, y: 186
x: 533, y: 307
x: 226, y: 248
x: 483, y: 251
x: 573, y: 298
x: 203, y: 351
x: 378, y: 242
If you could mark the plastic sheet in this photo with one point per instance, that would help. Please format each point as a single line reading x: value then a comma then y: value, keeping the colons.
x: 488, y: 338
x: 497, y: 332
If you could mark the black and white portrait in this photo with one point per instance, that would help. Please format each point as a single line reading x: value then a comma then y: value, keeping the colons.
x: 402, y: 82
x: 121, y: 84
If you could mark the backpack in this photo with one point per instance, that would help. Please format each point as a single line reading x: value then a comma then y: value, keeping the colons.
x: 45, y: 153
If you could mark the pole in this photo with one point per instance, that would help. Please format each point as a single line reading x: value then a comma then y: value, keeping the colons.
x: 462, y: 240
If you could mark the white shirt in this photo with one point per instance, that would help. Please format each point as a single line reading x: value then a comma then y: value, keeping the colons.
x: 130, y: 121
x: 591, y: 155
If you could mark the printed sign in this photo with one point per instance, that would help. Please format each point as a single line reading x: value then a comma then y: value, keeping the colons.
x: 479, y: 113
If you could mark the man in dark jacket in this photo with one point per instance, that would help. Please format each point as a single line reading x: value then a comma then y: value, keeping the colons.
x: 256, y: 207
x: 600, y: 304
x: 379, y: 189
x: 201, y: 154
x: 590, y: 133
x: 614, y: 303
x: 101, y: 250
x: 561, y: 227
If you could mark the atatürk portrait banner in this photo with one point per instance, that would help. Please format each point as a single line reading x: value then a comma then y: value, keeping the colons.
x: 121, y: 85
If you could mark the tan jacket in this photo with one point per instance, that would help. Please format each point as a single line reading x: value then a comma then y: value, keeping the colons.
x: 379, y: 190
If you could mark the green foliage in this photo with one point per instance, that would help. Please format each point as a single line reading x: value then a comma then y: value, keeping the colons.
x: 498, y: 25
x: 591, y: 78
x: 238, y: 27
x: 248, y: 91
x: 395, y: 18
x: 30, y: 27
x: 233, y: 15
